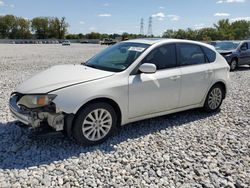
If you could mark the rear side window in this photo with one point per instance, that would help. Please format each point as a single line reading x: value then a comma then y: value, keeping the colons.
x: 211, y: 55
x: 191, y: 54
x: 163, y: 57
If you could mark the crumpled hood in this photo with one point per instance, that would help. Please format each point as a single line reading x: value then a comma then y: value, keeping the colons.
x: 225, y: 51
x: 60, y: 76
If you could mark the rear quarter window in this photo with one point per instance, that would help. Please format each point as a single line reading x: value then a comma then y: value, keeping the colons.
x: 190, y: 54
x: 211, y: 55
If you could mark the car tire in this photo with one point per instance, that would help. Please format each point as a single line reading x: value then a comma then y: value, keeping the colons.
x: 94, y: 123
x: 233, y: 64
x: 214, y: 98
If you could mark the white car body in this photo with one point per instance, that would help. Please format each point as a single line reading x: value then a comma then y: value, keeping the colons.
x: 138, y: 96
x: 66, y: 43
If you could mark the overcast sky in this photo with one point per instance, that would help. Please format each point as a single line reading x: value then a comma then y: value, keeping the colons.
x: 117, y: 16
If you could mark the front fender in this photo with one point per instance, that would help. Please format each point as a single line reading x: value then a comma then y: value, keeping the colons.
x: 231, y: 57
x: 71, y: 99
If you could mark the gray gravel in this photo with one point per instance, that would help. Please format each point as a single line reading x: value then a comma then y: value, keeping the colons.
x: 188, y: 149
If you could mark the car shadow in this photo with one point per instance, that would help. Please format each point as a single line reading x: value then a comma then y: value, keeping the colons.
x: 19, y: 151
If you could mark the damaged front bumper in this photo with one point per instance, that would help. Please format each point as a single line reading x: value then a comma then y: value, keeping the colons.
x: 19, y: 114
x: 36, y: 117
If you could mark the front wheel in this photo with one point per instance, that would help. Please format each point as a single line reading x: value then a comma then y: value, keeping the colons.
x: 233, y: 65
x: 214, y: 98
x: 94, y: 123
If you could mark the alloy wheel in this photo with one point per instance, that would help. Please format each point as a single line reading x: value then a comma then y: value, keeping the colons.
x: 233, y: 65
x: 97, y: 124
x: 214, y: 99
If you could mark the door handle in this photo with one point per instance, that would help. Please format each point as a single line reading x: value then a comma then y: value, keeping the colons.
x: 175, y: 77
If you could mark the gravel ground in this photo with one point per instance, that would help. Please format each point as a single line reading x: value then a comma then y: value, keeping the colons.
x: 188, y: 149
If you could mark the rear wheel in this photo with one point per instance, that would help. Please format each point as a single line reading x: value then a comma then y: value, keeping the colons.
x: 94, y: 124
x: 233, y: 65
x: 214, y: 98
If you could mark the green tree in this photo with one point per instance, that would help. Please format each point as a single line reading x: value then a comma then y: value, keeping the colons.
x: 241, y: 29
x: 8, y: 25
x: 23, y: 28
x: 53, y: 27
x: 81, y: 36
x: 170, y: 33
x: 71, y: 36
x: 225, y: 29
x: 125, y: 36
x: 208, y: 34
x: 105, y: 35
x: 114, y: 35
x: 63, y: 27
x: 14, y: 27
x: 181, y: 34
x: 40, y: 25
x: 93, y: 35
x: 191, y: 34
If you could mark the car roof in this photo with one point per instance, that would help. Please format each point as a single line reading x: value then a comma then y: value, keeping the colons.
x: 152, y: 41
x: 233, y: 41
x: 149, y: 41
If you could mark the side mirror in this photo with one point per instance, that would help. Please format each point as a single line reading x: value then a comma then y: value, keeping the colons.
x: 147, y: 68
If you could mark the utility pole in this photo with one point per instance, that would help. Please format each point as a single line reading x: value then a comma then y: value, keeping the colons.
x: 142, y: 27
x: 150, y: 26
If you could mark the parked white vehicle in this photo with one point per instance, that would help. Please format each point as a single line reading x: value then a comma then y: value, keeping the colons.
x: 127, y: 82
x: 66, y: 43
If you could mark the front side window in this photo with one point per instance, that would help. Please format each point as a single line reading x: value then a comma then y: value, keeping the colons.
x: 163, y: 57
x: 190, y: 54
x: 244, y: 46
x: 117, y: 57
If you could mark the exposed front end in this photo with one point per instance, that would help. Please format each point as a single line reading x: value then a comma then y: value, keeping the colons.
x: 228, y: 56
x: 36, y: 110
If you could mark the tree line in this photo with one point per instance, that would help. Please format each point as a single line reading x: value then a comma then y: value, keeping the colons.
x: 96, y: 35
x: 223, y: 30
x: 13, y: 27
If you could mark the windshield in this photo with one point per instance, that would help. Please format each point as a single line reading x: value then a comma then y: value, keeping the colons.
x: 117, y: 57
x: 226, y: 45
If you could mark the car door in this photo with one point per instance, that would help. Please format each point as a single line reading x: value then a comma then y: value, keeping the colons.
x: 248, y: 53
x: 244, y: 54
x: 158, y: 92
x: 197, y: 73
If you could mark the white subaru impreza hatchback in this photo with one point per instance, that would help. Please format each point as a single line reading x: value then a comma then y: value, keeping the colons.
x: 127, y: 82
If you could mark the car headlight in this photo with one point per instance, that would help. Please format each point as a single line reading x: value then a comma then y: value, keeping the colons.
x: 36, y: 101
